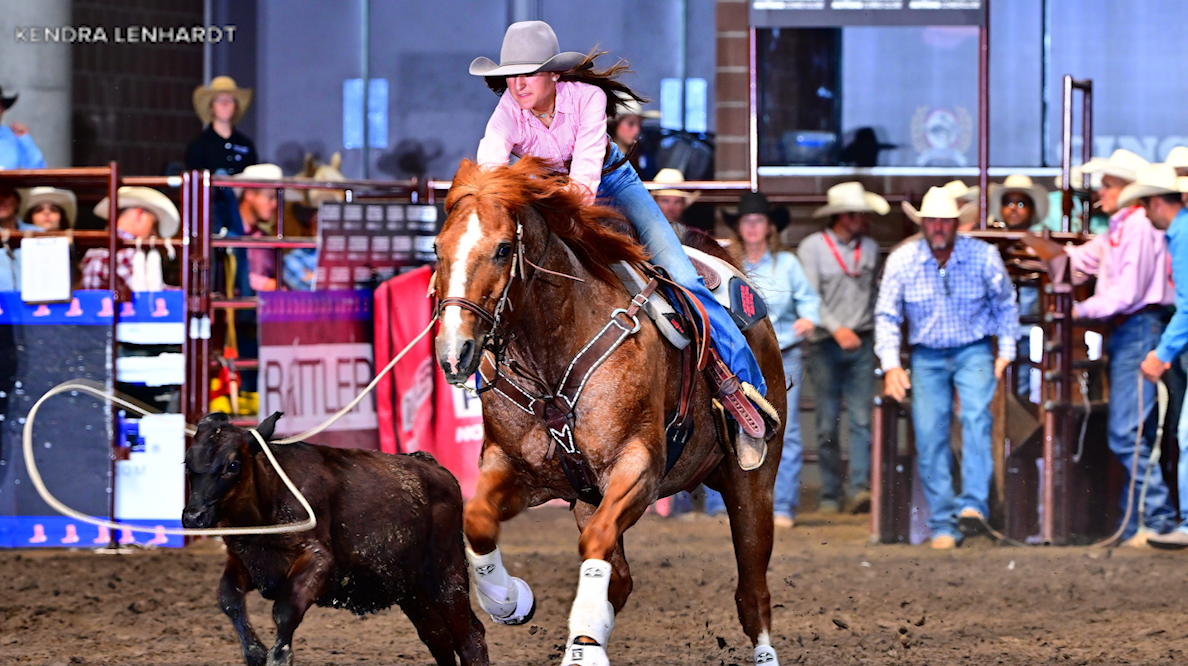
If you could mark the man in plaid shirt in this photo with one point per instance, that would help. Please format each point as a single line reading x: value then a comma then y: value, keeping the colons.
x: 955, y: 294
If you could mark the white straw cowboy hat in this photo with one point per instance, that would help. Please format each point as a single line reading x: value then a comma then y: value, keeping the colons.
x: 161, y: 206
x: 258, y: 172
x: 1178, y: 157
x: 670, y: 176
x: 1150, y: 181
x: 938, y: 202
x: 63, y: 199
x: 961, y: 192
x: 1122, y: 164
x: 1023, y: 185
x: 528, y: 47
x: 633, y: 108
x: 852, y: 198
x: 204, y: 95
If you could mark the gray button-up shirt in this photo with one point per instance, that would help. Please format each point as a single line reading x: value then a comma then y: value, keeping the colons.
x: 846, y: 302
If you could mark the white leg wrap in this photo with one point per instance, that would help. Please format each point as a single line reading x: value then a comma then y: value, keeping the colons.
x: 765, y: 656
x: 508, y: 600
x: 592, y: 614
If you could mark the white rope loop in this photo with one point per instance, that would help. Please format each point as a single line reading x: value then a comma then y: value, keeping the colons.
x: 92, y: 389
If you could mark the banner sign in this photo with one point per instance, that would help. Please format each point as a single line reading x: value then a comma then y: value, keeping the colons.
x: 362, y: 243
x: 840, y: 13
x: 419, y: 410
x: 315, y: 357
x: 42, y: 346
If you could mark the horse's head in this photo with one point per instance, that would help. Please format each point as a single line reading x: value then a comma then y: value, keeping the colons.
x: 476, y: 250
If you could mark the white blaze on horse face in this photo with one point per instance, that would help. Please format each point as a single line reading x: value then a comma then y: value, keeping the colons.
x: 451, y: 316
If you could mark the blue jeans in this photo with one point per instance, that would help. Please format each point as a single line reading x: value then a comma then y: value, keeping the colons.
x: 935, y: 373
x: 837, y: 373
x: 1127, y: 347
x: 623, y: 189
x: 787, y: 483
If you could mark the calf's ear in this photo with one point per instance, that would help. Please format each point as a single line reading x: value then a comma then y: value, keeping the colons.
x: 268, y: 426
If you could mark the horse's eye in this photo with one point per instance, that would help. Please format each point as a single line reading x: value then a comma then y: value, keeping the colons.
x: 503, y: 251
x: 234, y: 466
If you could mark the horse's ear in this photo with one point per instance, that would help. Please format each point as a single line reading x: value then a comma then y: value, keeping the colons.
x: 268, y: 426
x: 336, y: 161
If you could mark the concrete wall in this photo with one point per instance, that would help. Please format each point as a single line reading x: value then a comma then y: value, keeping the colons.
x: 306, y: 48
x: 40, y: 73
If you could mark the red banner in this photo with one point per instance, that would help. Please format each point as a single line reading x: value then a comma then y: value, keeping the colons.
x: 419, y: 411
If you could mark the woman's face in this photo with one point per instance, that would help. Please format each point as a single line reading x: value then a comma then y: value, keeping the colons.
x: 47, y: 216
x: 752, y: 229
x: 222, y: 107
x: 627, y: 131
x: 533, y: 92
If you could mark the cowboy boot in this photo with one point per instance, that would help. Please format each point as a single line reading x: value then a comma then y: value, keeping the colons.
x: 757, y: 419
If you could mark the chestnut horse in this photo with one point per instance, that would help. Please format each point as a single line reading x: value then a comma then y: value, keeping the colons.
x: 522, y: 274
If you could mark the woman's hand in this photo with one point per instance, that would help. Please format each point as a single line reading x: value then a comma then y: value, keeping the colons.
x: 802, y: 327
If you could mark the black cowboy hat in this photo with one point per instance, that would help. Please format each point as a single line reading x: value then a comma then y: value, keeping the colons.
x: 755, y: 202
x: 7, y: 102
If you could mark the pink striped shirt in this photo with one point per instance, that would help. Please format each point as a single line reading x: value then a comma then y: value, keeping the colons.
x: 1131, y: 265
x: 578, y: 133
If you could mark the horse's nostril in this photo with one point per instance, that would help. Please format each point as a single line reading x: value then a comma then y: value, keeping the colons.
x: 465, y: 354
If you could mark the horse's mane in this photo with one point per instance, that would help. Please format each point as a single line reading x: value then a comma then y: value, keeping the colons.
x: 588, y: 230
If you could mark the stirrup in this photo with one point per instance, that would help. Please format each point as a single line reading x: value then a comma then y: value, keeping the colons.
x: 755, y: 416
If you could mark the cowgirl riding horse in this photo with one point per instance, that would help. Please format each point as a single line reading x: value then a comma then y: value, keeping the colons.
x: 554, y: 106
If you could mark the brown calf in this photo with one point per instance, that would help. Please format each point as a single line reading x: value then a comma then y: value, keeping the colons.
x: 389, y: 533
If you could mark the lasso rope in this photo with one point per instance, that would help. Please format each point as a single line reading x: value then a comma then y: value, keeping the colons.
x: 121, y: 400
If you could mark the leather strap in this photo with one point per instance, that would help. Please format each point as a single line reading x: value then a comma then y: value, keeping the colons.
x: 726, y: 388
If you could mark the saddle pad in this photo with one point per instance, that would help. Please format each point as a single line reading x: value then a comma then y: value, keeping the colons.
x: 734, y: 291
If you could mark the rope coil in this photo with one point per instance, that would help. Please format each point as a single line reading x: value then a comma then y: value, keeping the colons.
x: 91, y: 388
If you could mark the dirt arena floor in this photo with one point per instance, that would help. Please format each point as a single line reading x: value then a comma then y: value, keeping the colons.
x: 837, y: 600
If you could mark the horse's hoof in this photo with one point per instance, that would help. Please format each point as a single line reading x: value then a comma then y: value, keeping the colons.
x: 752, y: 451
x: 281, y: 655
x: 578, y: 654
x: 525, y: 605
x: 765, y: 655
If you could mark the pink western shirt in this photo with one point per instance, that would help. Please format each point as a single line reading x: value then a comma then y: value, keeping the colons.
x: 1131, y: 265
x: 578, y: 133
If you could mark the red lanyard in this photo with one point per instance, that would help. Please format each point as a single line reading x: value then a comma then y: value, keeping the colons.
x: 1121, y: 223
x: 837, y: 256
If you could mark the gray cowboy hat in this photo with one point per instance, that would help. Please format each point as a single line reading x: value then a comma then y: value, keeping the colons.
x: 528, y: 47
x: 7, y: 102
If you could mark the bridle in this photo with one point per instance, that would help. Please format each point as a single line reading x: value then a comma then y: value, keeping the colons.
x: 494, y: 339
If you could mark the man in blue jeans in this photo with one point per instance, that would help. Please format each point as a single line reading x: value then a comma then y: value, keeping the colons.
x: 955, y: 294
x: 1160, y: 194
x: 841, y: 262
x: 1132, y: 294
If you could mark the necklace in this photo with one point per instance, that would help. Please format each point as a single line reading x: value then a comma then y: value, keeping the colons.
x: 547, y: 115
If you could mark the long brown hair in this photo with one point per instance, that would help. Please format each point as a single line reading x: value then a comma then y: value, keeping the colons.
x: 584, y: 72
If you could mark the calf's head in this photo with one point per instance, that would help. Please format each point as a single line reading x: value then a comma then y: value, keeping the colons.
x: 217, y: 464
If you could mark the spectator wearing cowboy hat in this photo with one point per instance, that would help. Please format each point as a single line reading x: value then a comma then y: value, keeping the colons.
x: 1133, y: 293
x: 841, y: 262
x: 257, y: 210
x: 144, y: 213
x: 1018, y: 203
x: 794, y: 310
x: 49, y: 208
x: 673, y: 201
x: 625, y: 128
x: 10, y: 257
x: 1158, y: 190
x: 300, y: 266
x: 220, y: 147
x: 1178, y: 160
x: 955, y: 294
x: 17, y: 150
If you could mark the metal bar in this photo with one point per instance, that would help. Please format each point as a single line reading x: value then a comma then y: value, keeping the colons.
x: 365, y: 56
x: 1086, y: 87
x: 186, y: 282
x: 1066, y: 154
x: 266, y: 243
x: 280, y: 237
x: 1045, y: 89
x: 753, y: 109
x: 878, y: 431
x: 233, y: 303
x: 203, y: 230
x: 984, y: 116
x: 113, y: 214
